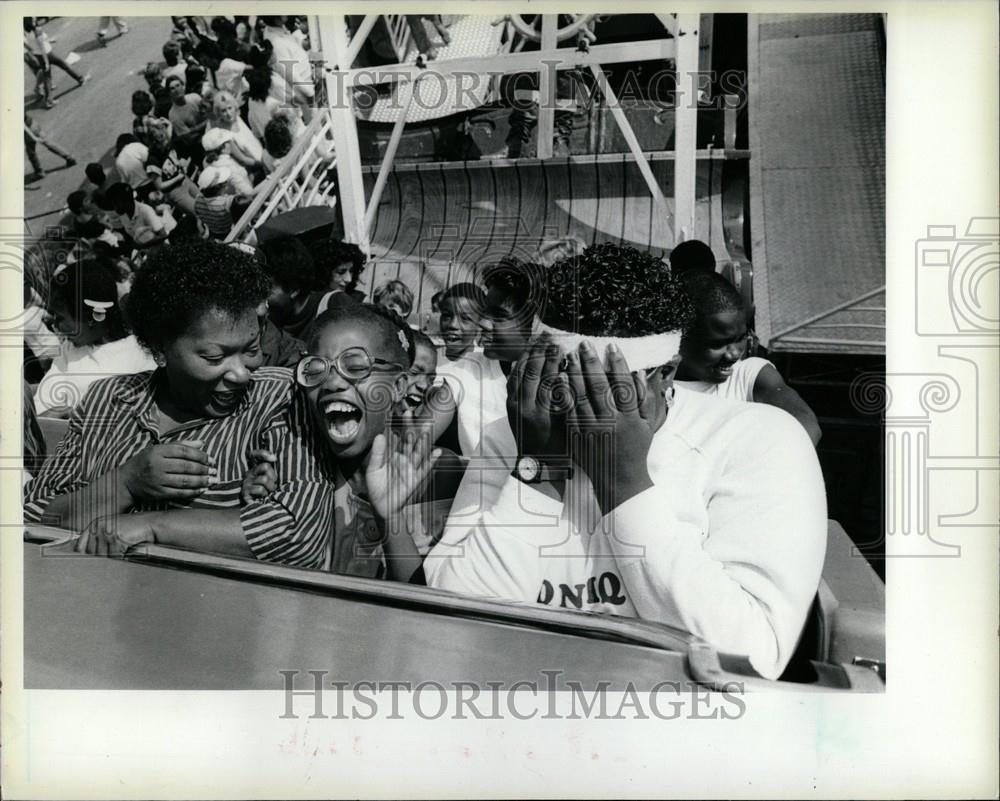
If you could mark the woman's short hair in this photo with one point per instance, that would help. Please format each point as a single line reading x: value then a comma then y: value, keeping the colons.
x: 332, y: 255
x: 395, y: 292
x: 180, y: 283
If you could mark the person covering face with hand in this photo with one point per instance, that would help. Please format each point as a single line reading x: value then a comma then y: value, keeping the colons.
x: 629, y: 496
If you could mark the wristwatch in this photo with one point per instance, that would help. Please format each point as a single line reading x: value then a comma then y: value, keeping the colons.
x: 531, y: 471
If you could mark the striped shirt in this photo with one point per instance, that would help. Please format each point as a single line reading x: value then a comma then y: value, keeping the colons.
x: 216, y: 213
x: 118, y: 418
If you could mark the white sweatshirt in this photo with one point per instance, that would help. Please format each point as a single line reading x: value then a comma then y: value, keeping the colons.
x: 728, y: 544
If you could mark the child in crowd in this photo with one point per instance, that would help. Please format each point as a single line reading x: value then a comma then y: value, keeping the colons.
x: 474, y: 390
x: 462, y: 307
x: 421, y: 374
x: 354, y: 375
x: 395, y: 295
x: 714, y: 349
x: 85, y: 312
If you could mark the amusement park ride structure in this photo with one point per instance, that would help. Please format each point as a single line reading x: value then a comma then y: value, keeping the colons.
x: 774, y: 204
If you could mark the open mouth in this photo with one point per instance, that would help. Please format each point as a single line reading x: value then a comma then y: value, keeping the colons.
x: 224, y: 400
x: 343, y: 421
x: 414, y: 399
x: 451, y: 337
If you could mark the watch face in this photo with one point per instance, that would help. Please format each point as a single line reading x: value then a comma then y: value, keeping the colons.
x: 528, y: 468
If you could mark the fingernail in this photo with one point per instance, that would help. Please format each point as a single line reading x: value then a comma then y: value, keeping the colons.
x: 613, y: 348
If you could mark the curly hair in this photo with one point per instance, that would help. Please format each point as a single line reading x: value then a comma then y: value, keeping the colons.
x: 333, y: 254
x: 181, y: 282
x: 615, y: 290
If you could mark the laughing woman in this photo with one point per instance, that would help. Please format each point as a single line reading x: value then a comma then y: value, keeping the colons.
x: 160, y: 456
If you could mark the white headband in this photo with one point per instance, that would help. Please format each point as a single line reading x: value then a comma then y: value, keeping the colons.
x: 641, y: 353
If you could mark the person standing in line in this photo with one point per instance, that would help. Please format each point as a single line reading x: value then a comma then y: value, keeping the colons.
x: 104, y: 25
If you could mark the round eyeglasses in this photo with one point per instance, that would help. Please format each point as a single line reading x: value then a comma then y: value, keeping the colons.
x: 353, y: 364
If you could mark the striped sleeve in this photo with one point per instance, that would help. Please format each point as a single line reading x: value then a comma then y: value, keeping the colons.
x: 65, y: 471
x: 294, y: 524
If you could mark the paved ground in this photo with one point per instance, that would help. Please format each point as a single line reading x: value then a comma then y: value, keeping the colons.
x: 88, y: 119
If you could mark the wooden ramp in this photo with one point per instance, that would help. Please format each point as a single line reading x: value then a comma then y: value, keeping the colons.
x: 817, y: 133
x: 437, y: 221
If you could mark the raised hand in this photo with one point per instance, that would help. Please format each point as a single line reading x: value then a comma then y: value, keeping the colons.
x: 397, y: 467
x: 173, y: 471
x: 538, y: 398
x: 611, y: 425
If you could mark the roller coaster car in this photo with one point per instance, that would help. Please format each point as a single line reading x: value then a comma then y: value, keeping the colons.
x: 165, y: 618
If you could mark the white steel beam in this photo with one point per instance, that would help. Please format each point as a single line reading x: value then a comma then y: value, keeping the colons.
x: 547, y: 89
x: 685, y: 126
x: 350, y: 185
x: 390, y: 155
x: 359, y: 38
x: 659, y: 201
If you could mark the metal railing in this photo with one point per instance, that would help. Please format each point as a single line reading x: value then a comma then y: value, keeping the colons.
x: 399, y: 34
x: 304, y: 178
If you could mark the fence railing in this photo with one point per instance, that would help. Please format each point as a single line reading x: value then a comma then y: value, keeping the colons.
x: 399, y: 34
x: 304, y: 178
